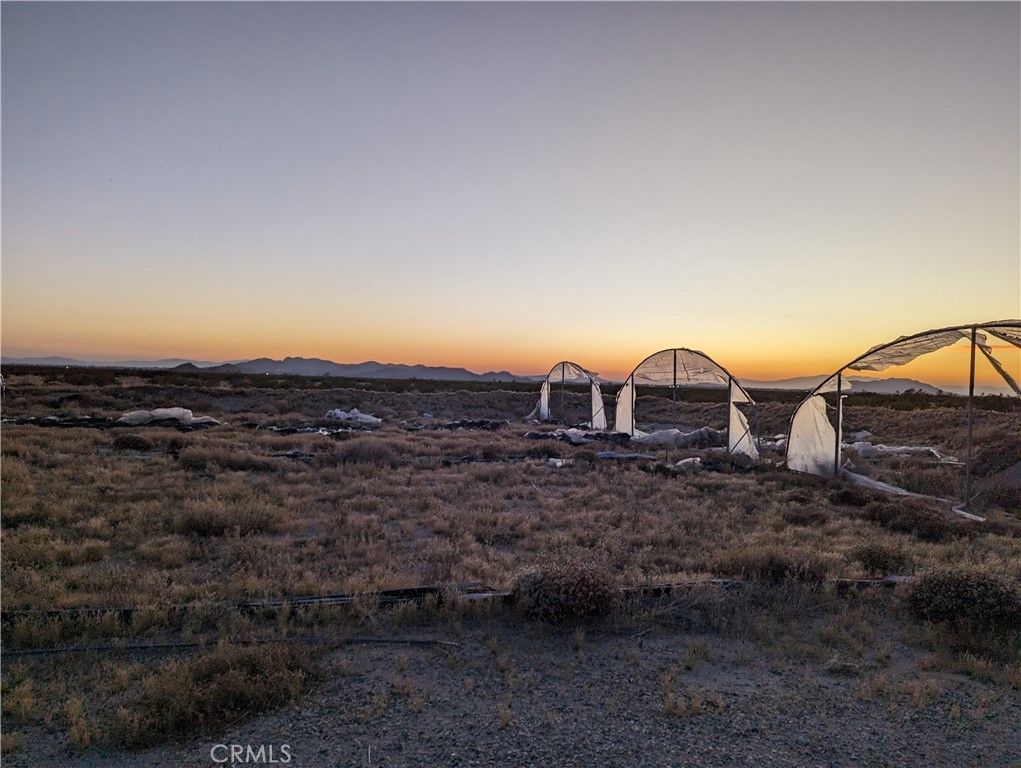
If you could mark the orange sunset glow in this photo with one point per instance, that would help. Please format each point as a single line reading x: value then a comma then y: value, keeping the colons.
x: 779, y: 186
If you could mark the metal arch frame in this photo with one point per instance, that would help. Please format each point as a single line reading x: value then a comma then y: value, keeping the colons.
x: 731, y: 379
x: 968, y: 331
x: 561, y: 365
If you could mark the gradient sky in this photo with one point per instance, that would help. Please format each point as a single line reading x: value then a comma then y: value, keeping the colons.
x: 502, y: 186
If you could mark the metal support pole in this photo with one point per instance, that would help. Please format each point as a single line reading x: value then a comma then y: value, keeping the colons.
x: 674, y: 390
x: 971, y: 421
x: 839, y: 430
x: 563, y: 385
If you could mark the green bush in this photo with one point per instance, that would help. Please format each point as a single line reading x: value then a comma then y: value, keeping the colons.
x: 566, y: 592
x: 966, y: 599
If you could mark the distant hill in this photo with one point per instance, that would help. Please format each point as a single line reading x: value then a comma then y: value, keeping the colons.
x: 63, y: 362
x: 313, y: 366
x: 853, y: 383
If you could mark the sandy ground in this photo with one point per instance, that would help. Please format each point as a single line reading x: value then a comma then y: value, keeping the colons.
x: 513, y: 693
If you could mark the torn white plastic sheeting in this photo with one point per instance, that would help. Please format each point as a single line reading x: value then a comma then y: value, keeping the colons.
x: 774, y: 443
x: 574, y: 436
x: 867, y: 450
x: 180, y: 415
x: 959, y: 509
x: 615, y: 455
x: 678, y: 439
x: 353, y: 415
x: 812, y: 444
x: 878, y: 485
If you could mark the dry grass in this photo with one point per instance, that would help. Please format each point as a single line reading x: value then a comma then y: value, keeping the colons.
x: 154, y: 518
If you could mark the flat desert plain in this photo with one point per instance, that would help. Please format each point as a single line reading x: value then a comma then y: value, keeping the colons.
x: 210, y: 594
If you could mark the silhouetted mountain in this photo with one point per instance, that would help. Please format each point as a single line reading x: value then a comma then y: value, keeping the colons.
x: 63, y: 362
x: 312, y: 366
x: 851, y: 383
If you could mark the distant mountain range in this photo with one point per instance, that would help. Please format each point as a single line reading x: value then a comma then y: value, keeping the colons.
x: 851, y: 383
x: 311, y: 366
x: 291, y: 366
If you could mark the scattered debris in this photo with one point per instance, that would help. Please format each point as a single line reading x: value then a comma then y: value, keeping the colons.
x: 326, y: 431
x: 295, y: 454
x: 581, y: 437
x: 705, y: 437
x: 623, y: 456
x: 353, y: 415
x: 693, y: 463
x: 867, y: 450
x: 165, y: 417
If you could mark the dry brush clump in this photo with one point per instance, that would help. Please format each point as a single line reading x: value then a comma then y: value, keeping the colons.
x: 184, y: 698
x: 774, y: 565
x: 566, y: 592
x: 967, y: 599
x: 921, y: 517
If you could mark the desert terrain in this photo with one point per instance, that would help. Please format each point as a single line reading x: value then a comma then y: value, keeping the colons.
x: 174, y: 587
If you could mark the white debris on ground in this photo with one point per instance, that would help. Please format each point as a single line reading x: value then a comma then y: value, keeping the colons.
x: 867, y: 450
x: 706, y: 436
x: 559, y: 462
x: 693, y: 463
x: 353, y: 415
x: 180, y: 415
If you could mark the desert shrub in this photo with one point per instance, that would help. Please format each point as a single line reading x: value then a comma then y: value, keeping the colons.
x: 1003, y: 496
x: 367, y: 450
x: 546, y: 449
x: 880, y: 559
x: 804, y: 516
x: 215, y: 517
x: 566, y: 592
x: 773, y: 566
x: 185, y: 698
x: 851, y: 496
x: 966, y: 598
x: 200, y: 458
x: 131, y: 443
x: 911, y: 515
x: 996, y: 456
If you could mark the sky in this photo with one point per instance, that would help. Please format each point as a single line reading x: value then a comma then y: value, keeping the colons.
x: 501, y: 186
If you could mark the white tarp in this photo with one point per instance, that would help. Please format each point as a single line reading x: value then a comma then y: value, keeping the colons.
x: 544, y: 401
x: 812, y: 444
x: 625, y: 415
x: 739, y: 434
x: 1006, y: 333
x: 598, y: 409
x: 353, y: 415
x: 180, y: 415
x: 907, y: 348
x: 868, y: 450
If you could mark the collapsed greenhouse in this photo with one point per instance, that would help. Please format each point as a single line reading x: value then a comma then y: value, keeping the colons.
x: 567, y: 373
x: 682, y: 367
x: 815, y: 440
